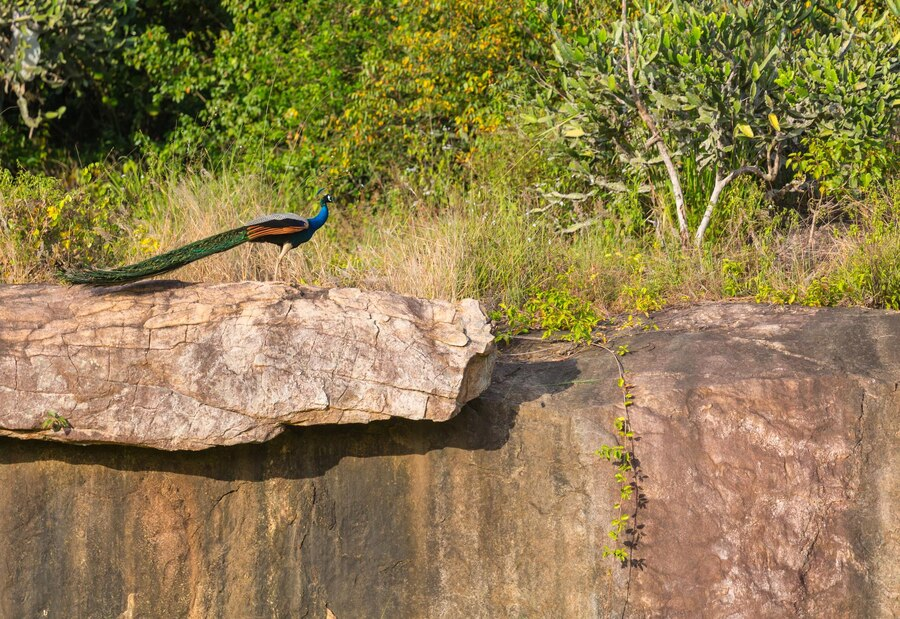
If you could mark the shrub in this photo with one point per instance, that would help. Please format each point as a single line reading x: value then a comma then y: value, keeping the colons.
x: 340, y: 89
x: 266, y: 88
x: 42, y: 224
x: 733, y: 87
x: 555, y: 310
x: 45, y: 44
x: 446, y: 72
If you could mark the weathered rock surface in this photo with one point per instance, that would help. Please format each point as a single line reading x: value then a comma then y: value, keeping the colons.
x: 176, y: 366
x: 768, y: 442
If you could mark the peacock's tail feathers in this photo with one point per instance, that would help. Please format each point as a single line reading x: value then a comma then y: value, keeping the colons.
x: 157, y: 265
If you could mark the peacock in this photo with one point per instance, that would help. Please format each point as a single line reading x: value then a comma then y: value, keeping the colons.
x: 284, y: 229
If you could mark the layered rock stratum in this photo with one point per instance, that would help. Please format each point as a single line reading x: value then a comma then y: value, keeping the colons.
x: 768, y: 454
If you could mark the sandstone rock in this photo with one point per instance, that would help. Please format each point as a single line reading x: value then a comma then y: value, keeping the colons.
x: 176, y: 366
x: 769, y: 437
x: 768, y: 442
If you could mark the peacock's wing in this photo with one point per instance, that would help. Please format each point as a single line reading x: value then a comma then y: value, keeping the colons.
x: 273, y: 228
x: 157, y: 265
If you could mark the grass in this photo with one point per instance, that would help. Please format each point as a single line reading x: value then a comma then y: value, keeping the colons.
x: 459, y: 246
x: 486, y: 235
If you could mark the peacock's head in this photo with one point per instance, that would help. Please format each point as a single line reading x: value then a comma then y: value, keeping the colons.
x: 327, y: 198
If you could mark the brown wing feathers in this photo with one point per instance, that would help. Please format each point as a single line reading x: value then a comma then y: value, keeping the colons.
x: 258, y: 231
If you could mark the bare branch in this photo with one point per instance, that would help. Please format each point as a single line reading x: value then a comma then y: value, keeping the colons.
x: 774, y: 163
x: 773, y: 157
x: 656, y: 138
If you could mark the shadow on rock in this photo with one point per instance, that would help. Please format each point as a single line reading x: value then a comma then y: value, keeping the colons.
x: 308, y: 452
x: 141, y: 288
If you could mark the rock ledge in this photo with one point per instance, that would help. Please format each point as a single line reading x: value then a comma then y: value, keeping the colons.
x: 189, y: 366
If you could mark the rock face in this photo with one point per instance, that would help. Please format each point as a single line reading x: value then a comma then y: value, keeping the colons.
x: 176, y: 366
x: 768, y: 449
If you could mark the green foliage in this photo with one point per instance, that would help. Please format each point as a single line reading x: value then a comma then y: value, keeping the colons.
x: 56, y: 422
x: 844, y: 161
x: 265, y: 91
x: 348, y: 90
x: 642, y: 299
x: 847, y: 78
x: 623, y: 531
x: 83, y: 98
x: 732, y: 278
x: 446, y: 72
x: 46, y: 44
x: 49, y: 224
x: 871, y: 275
x: 877, y: 276
x: 733, y: 87
x: 555, y: 311
x: 408, y: 104
x: 643, y: 296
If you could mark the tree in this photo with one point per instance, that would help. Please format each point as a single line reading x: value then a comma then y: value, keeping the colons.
x: 44, y: 45
x: 348, y: 88
x: 732, y: 86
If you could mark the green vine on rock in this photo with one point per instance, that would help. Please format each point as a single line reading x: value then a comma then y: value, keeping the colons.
x: 624, y: 530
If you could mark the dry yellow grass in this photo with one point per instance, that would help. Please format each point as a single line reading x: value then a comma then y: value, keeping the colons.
x: 450, y: 255
x: 482, y: 242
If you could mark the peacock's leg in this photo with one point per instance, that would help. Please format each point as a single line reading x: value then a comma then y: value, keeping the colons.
x: 284, y: 250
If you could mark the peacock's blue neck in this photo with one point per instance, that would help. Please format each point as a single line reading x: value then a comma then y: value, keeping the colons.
x: 321, y: 217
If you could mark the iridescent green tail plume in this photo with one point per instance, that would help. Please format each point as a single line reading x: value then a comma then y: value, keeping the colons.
x: 157, y: 265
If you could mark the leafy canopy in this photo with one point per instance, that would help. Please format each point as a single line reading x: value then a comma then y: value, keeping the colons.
x: 345, y: 88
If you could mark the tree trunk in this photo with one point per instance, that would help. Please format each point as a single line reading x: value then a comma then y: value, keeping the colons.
x: 661, y: 147
x: 720, y: 185
x: 773, y: 159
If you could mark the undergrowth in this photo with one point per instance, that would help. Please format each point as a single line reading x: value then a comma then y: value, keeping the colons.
x: 490, y: 233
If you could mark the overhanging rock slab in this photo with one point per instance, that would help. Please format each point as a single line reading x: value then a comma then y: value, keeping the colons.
x: 190, y: 366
